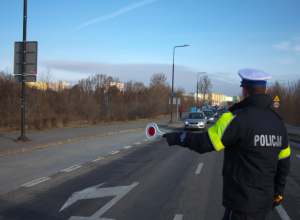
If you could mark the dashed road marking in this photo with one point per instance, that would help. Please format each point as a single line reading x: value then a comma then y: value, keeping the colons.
x: 37, y: 181
x: 113, y: 152
x: 127, y: 147
x: 282, y: 213
x: 138, y: 143
x: 178, y: 217
x: 146, y: 140
x: 69, y: 169
x: 298, y: 156
x: 96, y: 159
x: 199, y: 168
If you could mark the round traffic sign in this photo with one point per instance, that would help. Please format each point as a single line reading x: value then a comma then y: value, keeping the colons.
x: 276, y: 104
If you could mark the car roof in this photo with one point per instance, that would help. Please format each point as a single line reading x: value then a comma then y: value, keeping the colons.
x: 196, y: 112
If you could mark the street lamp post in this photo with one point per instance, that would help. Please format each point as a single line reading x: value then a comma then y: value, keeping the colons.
x: 197, y: 86
x: 186, y: 45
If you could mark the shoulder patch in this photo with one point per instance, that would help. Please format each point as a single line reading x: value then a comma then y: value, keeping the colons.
x: 182, y: 137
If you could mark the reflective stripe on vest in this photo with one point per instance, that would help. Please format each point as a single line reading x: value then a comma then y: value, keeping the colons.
x: 216, y: 132
x: 284, y: 153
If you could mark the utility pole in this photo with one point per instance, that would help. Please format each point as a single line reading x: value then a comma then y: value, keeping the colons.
x: 22, y: 137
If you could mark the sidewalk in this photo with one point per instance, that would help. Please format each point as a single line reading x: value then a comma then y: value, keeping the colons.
x: 57, y: 137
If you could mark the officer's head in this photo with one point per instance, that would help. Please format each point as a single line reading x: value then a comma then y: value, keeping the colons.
x: 253, y: 81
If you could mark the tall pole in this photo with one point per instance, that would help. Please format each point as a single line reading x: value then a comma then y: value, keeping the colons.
x: 173, y: 80
x: 22, y: 137
x: 172, y: 85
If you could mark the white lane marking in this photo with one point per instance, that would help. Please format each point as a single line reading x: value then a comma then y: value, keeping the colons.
x: 96, y: 159
x: 146, y: 140
x: 97, y: 192
x: 69, y: 169
x: 298, y: 156
x: 37, y: 181
x: 138, y: 143
x: 282, y: 213
x: 178, y: 217
x: 127, y: 147
x: 113, y: 152
x: 199, y: 168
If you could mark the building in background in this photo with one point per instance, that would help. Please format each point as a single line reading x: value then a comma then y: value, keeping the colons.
x: 38, y: 85
x: 43, y: 86
x: 237, y: 99
x: 61, y: 85
x: 120, y: 86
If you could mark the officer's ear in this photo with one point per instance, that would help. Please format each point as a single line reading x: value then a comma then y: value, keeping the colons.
x: 245, y: 93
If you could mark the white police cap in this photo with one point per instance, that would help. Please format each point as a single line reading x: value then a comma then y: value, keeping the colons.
x: 253, y: 77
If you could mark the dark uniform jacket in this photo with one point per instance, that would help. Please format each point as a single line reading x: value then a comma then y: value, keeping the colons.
x: 256, y: 153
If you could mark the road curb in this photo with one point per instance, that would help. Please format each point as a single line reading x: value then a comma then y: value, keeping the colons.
x: 43, y: 146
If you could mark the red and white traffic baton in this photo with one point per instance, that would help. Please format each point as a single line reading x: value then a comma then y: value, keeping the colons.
x: 152, y: 131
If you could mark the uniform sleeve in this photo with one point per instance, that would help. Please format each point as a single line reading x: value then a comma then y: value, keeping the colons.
x: 224, y: 132
x: 213, y: 139
x: 283, y: 167
x: 199, y: 142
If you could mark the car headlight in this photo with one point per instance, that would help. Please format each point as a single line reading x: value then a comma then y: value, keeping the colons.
x: 186, y: 122
x: 201, y: 123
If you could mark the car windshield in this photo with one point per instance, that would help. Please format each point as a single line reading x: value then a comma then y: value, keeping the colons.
x: 208, y: 113
x: 196, y: 115
x: 213, y: 109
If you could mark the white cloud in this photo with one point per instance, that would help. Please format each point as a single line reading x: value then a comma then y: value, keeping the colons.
x: 287, y: 45
x: 283, y: 46
x: 108, y: 16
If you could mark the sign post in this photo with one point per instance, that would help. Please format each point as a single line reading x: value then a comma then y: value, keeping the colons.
x: 175, y: 100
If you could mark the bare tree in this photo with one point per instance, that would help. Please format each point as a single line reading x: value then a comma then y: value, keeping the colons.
x: 158, y: 78
x: 204, y: 85
x: 46, y: 76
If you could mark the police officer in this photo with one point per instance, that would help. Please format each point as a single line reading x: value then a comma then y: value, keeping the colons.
x: 256, y: 150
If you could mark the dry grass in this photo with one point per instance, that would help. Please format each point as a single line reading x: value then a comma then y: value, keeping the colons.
x: 7, y: 131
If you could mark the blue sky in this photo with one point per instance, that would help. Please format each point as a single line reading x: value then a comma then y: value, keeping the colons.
x: 133, y: 39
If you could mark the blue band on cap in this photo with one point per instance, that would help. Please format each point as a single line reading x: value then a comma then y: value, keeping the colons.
x: 254, y: 83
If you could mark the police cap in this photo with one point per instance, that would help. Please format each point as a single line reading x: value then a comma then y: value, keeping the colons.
x: 253, y: 77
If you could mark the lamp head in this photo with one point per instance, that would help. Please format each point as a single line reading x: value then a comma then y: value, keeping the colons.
x: 186, y: 45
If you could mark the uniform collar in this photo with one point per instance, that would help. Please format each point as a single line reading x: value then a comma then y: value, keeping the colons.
x: 260, y: 101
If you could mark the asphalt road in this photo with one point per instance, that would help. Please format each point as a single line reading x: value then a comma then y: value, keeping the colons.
x: 144, y: 180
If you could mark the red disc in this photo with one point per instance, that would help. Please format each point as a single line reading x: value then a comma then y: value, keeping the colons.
x: 151, y: 131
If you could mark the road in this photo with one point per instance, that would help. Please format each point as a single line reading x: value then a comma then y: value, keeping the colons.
x: 123, y: 177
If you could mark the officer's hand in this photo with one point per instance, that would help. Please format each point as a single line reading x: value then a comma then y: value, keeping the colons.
x: 277, y: 201
x: 171, y: 138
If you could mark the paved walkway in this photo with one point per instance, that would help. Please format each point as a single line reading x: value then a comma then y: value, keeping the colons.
x: 57, y: 137
x: 61, y: 136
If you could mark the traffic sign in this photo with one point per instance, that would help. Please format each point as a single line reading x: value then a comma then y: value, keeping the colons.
x: 28, y: 78
x: 176, y: 101
x: 276, y: 104
x: 276, y: 99
x: 152, y: 131
x: 31, y: 57
x: 172, y: 93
